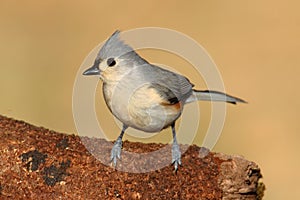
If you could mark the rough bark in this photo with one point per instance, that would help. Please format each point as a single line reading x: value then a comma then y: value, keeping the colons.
x: 37, y: 163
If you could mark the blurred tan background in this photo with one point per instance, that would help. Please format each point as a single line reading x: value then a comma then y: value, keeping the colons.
x: 254, y: 43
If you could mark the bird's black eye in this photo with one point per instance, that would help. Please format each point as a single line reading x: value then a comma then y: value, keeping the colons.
x: 111, y: 62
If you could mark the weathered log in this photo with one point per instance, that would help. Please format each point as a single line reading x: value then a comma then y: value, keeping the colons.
x: 37, y: 163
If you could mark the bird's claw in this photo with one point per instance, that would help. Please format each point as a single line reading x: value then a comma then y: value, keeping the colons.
x: 116, y: 152
x: 176, y: 156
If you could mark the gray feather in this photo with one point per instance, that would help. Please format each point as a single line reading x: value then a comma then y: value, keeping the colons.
x: 177, y: 84
x: 114, y: 47
x: 210, y: 95
x: 165, y: 93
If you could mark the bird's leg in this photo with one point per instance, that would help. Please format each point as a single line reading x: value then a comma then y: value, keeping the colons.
x: 117, y: 148
x: 176, y: 154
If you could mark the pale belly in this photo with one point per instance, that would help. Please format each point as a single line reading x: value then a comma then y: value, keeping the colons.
x: 140, y: 108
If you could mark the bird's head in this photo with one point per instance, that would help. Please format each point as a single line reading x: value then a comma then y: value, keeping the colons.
x: 114, y: 59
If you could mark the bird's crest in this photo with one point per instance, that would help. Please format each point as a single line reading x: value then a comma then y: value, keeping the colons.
x: 114, y: 47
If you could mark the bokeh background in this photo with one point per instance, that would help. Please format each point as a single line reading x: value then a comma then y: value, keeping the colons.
x: 254, y: 43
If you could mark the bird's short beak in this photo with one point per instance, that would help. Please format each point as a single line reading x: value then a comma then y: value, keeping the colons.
x: 94, y: 70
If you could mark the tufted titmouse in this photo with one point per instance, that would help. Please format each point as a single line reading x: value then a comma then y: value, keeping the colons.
x: 144, y: 96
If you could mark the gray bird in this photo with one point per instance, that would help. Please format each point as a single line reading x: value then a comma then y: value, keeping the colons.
x: 144, y: 96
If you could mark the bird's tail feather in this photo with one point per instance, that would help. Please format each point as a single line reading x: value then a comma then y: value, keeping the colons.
x: 210, y: 95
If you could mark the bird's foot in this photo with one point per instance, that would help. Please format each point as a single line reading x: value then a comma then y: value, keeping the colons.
x: 116, y: 152
x: 176, y: 156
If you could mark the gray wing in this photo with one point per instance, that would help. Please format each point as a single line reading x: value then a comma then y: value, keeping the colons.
x: 176, y: 86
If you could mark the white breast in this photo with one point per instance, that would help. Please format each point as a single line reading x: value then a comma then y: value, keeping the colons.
x: 140, y: 106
